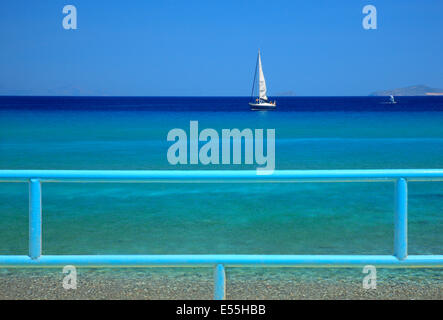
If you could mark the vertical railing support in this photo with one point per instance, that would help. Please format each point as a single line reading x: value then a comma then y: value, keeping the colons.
x: 35, y: 218
x: 220, y: 282
x: 401, y: 219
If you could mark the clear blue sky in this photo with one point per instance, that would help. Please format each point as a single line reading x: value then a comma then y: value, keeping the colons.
x: 209, y: 47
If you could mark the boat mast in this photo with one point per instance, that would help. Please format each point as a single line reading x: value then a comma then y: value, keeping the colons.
x: 255, y: 76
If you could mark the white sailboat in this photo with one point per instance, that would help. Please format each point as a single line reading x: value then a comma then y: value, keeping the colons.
x: 261, y: 102
x: 391, y: 99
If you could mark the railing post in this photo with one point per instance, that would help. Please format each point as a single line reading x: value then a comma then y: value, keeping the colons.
x: 401, y: 219
x: 220, y: 282
x: 35, y: 218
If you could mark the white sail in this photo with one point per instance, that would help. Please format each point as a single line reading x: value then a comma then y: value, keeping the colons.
x: 261, y: 80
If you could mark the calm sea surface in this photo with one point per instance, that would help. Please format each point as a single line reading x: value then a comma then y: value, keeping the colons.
x: 130, y: 134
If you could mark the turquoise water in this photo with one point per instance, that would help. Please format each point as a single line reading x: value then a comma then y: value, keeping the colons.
x: 301, y: 218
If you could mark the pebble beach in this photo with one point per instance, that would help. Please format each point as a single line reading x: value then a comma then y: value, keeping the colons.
x: 189, y: 284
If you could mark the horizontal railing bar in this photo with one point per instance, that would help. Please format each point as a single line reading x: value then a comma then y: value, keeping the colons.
x: 213, y: 181
x: 220, y: 175
x: 225, y: 260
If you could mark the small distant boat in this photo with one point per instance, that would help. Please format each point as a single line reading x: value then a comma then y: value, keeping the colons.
x: 392, y: 100
x: 261, y: 102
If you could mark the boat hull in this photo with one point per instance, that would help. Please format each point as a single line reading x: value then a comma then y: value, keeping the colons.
x: 262, y: 106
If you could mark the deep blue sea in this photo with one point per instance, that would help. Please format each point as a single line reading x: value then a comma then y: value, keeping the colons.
x: 129, y: 133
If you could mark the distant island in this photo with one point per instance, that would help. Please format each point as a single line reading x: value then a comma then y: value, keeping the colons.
x: 288, y: 93
x: 418, y: 90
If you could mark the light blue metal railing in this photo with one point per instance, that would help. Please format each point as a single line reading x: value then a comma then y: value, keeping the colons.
x: 35, y: 178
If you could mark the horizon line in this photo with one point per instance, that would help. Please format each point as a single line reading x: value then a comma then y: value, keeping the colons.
x: 203, y: 96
